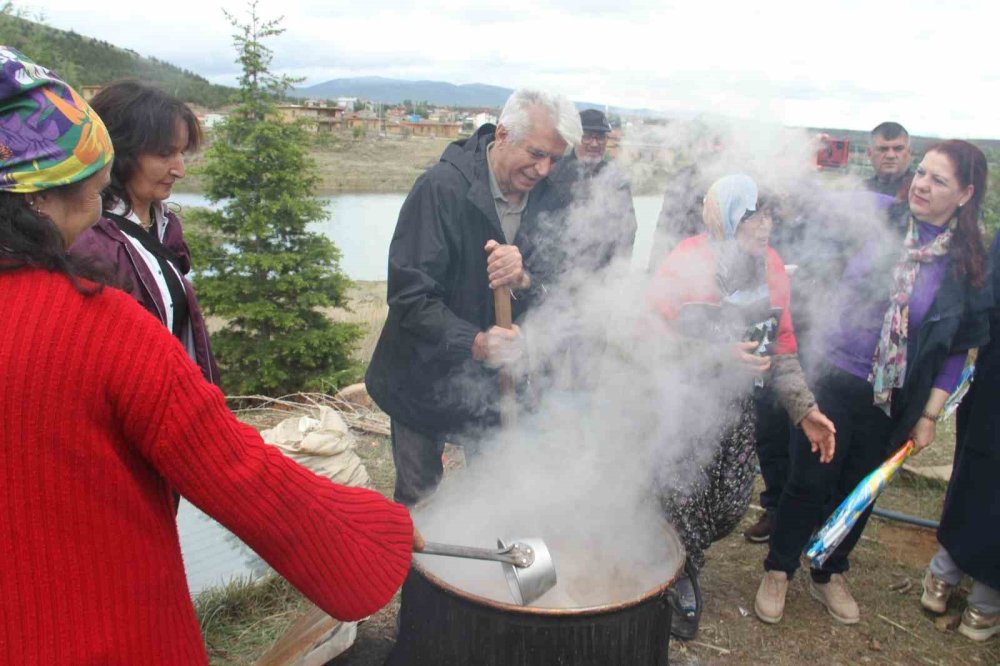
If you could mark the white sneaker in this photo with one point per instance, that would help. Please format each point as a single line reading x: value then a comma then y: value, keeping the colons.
x: 936, y: 593
x: 977, y: 625
x: 769, y: 605
x: 837, y: 599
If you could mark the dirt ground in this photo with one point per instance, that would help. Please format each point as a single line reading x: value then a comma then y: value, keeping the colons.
x: 887, y: 569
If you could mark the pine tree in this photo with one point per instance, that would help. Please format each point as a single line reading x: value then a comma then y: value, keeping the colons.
x: 264, y: 273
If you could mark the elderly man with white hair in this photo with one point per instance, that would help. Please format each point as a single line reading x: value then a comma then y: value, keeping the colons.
x: 434, y: 370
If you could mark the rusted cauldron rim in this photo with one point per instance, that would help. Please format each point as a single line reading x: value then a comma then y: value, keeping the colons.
x: 450, y: 589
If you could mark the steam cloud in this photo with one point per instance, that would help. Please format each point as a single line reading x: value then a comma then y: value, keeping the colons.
x: 620, y: 407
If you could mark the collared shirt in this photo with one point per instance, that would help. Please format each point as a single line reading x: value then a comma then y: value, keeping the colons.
x: 155, y: 266
x: 509, y: 214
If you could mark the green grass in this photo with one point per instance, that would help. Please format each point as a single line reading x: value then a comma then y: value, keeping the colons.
x: 376, y: 453
x: 240, y: 620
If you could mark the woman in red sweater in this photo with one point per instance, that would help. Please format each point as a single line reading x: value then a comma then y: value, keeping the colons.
x: 725, y: 296
x: 103, y: 412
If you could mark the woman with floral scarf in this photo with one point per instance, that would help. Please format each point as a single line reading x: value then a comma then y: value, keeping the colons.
x: 902, y: 325
x: 725, y: 297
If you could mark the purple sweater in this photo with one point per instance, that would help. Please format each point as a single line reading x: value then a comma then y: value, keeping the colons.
x: 854, y: 336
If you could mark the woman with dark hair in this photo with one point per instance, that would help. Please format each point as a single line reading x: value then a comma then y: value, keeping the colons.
x: 138, y: 236
x: 904, y: 321
x: 102, y: 413
x: 726, y: 297
x: 972, y: 503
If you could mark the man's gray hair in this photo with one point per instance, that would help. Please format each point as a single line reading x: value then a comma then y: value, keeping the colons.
x: 515, y: 115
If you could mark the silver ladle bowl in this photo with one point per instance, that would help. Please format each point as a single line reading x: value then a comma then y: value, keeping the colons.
x: 527, y: 564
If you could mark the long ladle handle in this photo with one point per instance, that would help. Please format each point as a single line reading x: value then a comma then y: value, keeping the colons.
x: 513, y: 556
x: 502, y: 314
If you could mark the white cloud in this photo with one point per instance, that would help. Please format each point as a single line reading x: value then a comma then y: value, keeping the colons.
x: 848, y: 64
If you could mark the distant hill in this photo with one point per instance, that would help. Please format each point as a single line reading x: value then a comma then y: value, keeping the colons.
x: 85, y: 61
x: 393, y: 91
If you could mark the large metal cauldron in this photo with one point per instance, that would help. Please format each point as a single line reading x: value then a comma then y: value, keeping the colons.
x: 442, y: 625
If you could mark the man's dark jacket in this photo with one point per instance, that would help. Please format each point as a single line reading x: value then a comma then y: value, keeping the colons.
x: 897, y: 187
x: 972, y: 503
x: 958, y: 320
x: 422, y: 372
x: 583, y: 221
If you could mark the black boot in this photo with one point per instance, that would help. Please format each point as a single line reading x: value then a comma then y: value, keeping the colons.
x: 685, y: 604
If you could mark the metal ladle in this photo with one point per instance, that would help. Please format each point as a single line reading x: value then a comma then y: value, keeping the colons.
x: 527, y: 564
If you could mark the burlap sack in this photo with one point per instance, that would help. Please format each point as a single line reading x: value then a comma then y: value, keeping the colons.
x: 323, y: 444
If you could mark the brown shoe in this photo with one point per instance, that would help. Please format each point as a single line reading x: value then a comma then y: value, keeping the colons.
x: 977, y: 625
x: 936, y: 593
x: 770, y: 602
x: 837, y: 599
x: 760, y: 532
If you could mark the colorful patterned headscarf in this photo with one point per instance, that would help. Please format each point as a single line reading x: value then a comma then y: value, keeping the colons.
x: 48, y: 135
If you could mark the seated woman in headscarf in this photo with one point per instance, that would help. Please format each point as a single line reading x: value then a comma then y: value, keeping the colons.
x: 725, y: 295
x: 905, y: 316
x: 102, y: 412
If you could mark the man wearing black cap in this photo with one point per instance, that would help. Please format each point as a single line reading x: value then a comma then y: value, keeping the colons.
x: 595, y: 136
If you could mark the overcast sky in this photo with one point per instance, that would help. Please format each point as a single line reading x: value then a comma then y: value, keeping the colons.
x: 933, y: 66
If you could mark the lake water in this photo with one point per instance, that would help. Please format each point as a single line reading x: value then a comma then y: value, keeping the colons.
x: 361, y: 225
x: 212, y: 555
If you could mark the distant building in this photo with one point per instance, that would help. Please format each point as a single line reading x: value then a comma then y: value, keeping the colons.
x: 442, y: 115
x: 481, y: 119
x: 396, y: 113
x: 318, y: 118
x: 365, y: 120
x: 424, y: 128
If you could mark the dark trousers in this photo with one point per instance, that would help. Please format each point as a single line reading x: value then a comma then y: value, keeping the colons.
x: 862, y: 445
x: 417, y: 457
x: 773, y: 433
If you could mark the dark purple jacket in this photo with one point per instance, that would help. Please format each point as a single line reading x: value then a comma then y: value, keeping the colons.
x: 106, y: 243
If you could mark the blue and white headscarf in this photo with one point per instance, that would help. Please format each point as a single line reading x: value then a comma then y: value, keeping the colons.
x: 736, y: 195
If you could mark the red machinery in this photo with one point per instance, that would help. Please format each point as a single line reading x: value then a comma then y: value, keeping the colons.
x: 833, y: 154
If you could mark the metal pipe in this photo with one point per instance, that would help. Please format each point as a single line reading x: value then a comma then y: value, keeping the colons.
x: 904, y: 518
